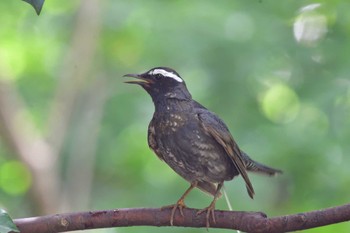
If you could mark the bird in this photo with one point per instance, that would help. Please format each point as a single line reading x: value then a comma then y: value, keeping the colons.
x: 192, y: 140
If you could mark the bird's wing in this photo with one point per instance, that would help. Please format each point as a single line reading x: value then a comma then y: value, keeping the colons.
x: 214, y: 126
x: 152, y: 141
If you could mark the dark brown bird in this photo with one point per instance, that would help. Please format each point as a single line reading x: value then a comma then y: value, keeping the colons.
x: 192, y: 140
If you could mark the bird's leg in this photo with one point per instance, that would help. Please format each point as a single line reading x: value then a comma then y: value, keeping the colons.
x: 211, y: 208
x: 180, y: 204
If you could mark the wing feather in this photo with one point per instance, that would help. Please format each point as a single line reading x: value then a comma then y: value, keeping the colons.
x: 218, y: 130
x: 152, y: 141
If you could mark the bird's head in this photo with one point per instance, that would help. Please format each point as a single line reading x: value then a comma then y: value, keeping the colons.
x: 161, y: 83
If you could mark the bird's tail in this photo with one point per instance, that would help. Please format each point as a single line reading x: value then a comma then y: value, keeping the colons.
x: 253, y: 166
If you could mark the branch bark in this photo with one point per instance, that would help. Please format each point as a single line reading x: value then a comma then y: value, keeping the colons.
x: 244, y: 221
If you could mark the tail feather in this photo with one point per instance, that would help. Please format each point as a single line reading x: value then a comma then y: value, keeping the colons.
x: 253, y: 166
x: 250, y: 166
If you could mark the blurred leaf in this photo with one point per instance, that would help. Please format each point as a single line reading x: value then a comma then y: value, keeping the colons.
x: 6, y: 223
x: 15, y: 179
x: 280, y: 104
x: 37, y: 4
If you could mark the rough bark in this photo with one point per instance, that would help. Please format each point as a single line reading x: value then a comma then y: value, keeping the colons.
x: 244, y: 221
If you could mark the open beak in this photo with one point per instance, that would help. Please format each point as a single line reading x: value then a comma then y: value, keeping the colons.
x: 140, y: 80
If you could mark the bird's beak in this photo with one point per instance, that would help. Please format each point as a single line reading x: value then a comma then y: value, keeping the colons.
x: 141, y: 80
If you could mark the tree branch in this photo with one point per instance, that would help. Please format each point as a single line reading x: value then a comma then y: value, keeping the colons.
x: 22, y: 137
x: 243, y: 221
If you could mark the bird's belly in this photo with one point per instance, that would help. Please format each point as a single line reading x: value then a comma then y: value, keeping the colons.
x: 195, y: 155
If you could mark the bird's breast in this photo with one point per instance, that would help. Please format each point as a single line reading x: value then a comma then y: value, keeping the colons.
x: 170, y: 123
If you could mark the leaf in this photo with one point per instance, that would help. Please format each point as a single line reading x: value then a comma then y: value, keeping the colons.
x: 37, y: 4
x: 6, y: 223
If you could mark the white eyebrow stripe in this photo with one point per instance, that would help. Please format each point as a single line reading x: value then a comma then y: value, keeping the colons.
x: 166, y: 74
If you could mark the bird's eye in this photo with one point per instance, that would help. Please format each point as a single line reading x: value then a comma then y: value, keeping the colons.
x: 158, y: 77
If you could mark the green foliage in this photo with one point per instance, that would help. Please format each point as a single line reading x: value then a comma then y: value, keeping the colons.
x: 6, y: 223
x: 37, y: 5
x: 283, y: 90
x: 15, y: 179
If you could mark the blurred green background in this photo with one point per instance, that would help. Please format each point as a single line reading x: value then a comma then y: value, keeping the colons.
x: 73, y: 135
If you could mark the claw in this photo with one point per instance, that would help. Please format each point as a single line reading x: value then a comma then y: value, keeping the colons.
x: 211, y: 208
x: 179, y: 205
x: 210, y: 211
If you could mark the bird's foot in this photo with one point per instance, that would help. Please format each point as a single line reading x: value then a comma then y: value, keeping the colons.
x: 180, y: 204
x: 209, y: 211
